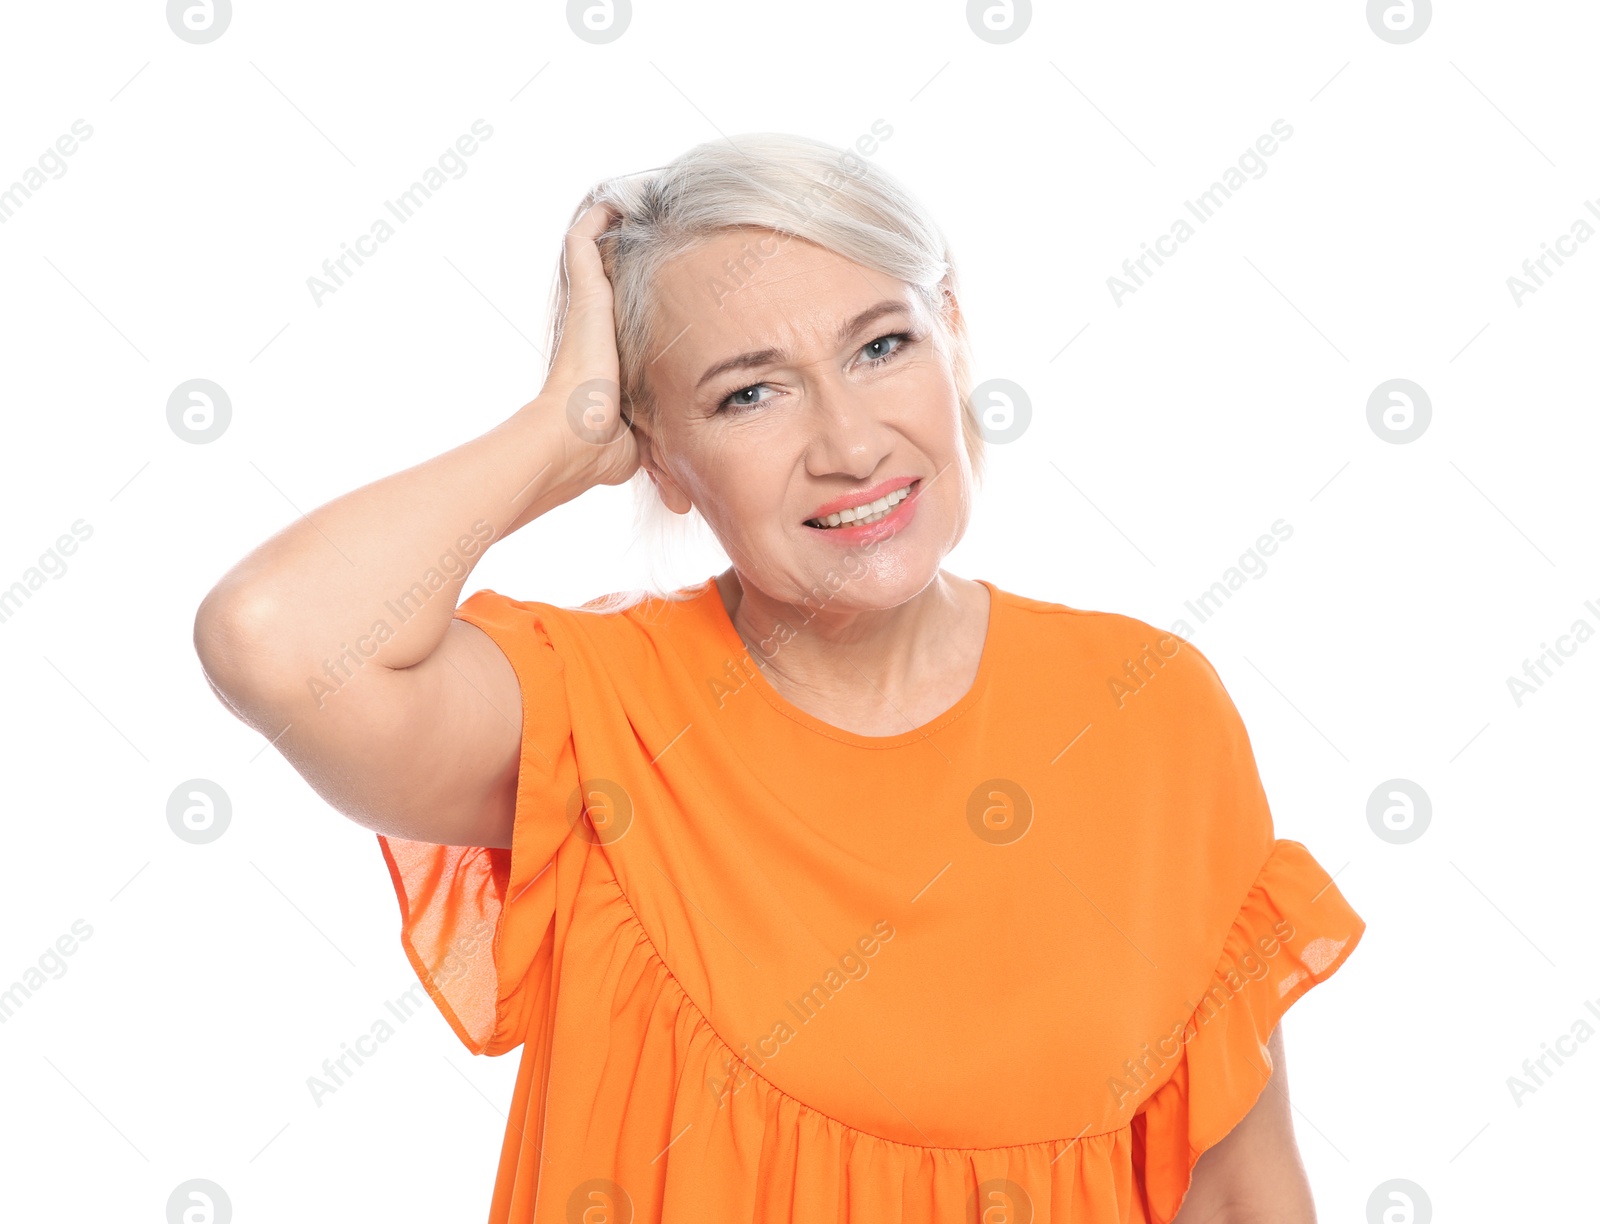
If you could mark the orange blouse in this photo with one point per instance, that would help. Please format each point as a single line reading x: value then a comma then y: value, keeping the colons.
x: 1018, y: 964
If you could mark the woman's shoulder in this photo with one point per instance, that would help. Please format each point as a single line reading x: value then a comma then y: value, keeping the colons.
x: 1091, y: 627
x: 635, y: 607
x: 1125, y: 652
x: 617, y: 633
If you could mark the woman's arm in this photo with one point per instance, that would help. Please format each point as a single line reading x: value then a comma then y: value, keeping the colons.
x: 336, y: 639
x: 1254, y: 1176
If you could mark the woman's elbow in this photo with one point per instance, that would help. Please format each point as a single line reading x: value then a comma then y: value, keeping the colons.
x: 232, y: 636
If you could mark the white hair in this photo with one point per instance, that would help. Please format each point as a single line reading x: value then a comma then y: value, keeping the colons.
x: 789, y: 184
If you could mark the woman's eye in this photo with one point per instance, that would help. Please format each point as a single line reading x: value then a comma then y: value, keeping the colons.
x: 741, y: 398
x: 876, y: 353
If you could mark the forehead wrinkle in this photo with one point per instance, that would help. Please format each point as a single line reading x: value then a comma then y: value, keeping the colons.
x: 792, y: 317
x: 682, y: 302
x: 855, y: 268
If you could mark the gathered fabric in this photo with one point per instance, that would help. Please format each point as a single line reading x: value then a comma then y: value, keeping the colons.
x: 1019, y: 963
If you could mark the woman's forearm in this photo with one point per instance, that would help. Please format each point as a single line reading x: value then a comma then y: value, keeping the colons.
x: 337, y: 638
x: 1255, y: 1175
x: 378, y: 571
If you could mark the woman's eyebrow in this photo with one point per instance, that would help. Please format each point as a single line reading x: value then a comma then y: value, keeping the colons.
x: 767, y: 356
x: 744, y: 360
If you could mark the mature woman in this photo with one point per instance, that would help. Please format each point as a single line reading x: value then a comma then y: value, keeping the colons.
x: 834, y: 887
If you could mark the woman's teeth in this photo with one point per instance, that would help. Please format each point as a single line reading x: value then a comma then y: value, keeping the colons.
x: 869, y: 513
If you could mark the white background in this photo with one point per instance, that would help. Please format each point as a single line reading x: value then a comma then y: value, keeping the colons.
x: 1228, y: 392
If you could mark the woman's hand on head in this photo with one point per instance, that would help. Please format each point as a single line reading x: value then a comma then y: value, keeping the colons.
x: 583, y: 385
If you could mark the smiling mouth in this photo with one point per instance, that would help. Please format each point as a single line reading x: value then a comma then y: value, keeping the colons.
x: 871, y: 512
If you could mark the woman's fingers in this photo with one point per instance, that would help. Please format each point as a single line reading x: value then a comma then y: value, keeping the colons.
x: 581, y: 267
x: 585, y: 373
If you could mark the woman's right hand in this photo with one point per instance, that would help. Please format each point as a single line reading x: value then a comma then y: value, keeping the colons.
x: 583, y: 385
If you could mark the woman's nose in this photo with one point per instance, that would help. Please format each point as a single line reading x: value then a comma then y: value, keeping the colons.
x: 846, y: 432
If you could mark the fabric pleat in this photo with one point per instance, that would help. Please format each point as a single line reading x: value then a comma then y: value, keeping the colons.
x: 680, y: 1158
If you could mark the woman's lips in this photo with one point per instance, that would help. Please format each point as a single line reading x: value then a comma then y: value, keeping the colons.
x: 862, y: 497
x: 892, y: 523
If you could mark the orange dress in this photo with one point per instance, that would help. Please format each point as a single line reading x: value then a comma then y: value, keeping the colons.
x: 1019, y: 964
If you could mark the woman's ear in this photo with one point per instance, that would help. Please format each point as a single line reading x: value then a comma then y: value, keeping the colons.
x: 671, y: 493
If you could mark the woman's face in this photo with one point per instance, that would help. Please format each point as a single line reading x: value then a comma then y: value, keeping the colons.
x: 787, y: 377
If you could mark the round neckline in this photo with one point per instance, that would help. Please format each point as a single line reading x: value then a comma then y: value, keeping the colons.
x: 711, y: 598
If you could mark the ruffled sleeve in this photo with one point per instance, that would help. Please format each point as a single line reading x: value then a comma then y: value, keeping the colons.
x: 1293, y: 930
x: 1261, y: 923
x: 478, y: 923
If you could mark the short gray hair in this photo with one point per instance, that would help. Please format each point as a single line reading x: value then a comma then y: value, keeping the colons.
x: 795, y: 186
